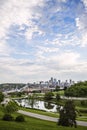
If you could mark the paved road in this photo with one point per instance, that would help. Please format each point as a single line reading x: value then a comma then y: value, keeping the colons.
x: 43, y: 117
x: 74, y: 98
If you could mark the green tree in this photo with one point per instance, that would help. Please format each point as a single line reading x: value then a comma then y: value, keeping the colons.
x: 68, y: 115
x: 11, y: 107
x: 84, y: 103
x: 48, y: 105
x: 19, y: 94
x: 57, y: 88
x: 32, y: 100
x: 1, y: 97
x: 57, y: 97
x: 77, y: 90
x: 48, y: 96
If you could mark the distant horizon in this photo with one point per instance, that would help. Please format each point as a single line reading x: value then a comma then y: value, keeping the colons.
x: 43, y: 38
x: 42, y: 81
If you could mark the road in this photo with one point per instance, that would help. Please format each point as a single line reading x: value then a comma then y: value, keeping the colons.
x: 43, y: 117
x: 74, y: 98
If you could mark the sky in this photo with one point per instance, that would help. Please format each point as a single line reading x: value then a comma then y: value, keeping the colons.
x: 40, y: 39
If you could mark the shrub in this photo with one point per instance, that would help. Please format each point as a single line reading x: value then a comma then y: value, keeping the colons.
x: 7, y: 117
x: 1, y: 97
x: 20, y: 118
x: 84, y: 103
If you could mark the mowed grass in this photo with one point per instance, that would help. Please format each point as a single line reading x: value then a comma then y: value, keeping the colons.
x: 83, y: 117
x: 35, y: 124
x: 61, y: 93
x: 52, y: 114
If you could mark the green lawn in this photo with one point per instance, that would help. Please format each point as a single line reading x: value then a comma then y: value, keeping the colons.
x: 61, y: 93
x: 34, y: 124
x: 52, y: 114
x: 83, y: 117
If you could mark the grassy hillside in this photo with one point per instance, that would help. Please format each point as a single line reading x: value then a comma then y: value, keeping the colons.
x: 33, y: 124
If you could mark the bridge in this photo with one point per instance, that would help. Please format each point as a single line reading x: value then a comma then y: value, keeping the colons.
x: 28, y: 88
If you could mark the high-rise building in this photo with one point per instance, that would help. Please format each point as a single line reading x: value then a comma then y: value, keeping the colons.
x: 59, y: 82
x: 52, y: 79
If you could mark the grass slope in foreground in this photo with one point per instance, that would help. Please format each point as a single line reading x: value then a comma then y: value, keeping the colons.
x: 34, y: 124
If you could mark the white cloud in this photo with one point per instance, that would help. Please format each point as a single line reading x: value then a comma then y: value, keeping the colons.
x: 82, y: 29
x: 54, y: 65
x: 63, y: 63
x: 68, y: 58
x: 14, y: 12
x: 37, y: 18
x: 79, y: 24
x: 57, y: 41
x: 31, y: 31
x: 85, y: 3
x: 17, y: 12
x: 58, y: 59
x: 84, y: 39
x: 63, y: 40
x: 23, y: 69
x: 47, y: 49
x: 62, y: 0
x: 4, y: 49
x: 81, y: 21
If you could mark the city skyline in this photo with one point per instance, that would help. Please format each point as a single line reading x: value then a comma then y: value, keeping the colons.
x: 40, y: 39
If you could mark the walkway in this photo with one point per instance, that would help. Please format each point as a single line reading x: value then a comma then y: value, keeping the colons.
x: 74, y: 98
x: 48, y: 118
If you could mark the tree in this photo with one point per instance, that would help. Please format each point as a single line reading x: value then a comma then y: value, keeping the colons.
x: 68, y: 114
x: 11, y: 107
x: 77, y: 90
x: 57, y: 97
x: 57, y: 88
x: 48, y: 105
x: 48, y: 96
x: 1, y: 97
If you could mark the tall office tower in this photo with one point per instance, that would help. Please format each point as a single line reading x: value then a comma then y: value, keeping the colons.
x: 51, y: 80
x: 70, y: 81
x: 55, y: 80
x: 59, y: 82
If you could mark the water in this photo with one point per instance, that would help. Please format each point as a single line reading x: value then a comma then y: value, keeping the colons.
x: 41, y: 105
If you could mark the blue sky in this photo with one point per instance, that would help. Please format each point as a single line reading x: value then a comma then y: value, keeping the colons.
x: 40, y: 39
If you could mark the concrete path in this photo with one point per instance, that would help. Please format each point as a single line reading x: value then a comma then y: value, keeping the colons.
x: 48, y: 118
x: 74, y: 98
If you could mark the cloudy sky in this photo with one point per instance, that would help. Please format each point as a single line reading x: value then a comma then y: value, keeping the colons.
x: 40, y: 39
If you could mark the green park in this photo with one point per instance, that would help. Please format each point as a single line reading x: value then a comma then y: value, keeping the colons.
x: 76, y: 110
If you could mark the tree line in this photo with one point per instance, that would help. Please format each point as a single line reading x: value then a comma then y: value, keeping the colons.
x: 77, y: 90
